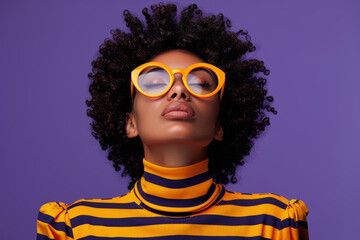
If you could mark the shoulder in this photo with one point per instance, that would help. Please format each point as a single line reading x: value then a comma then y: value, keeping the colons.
x: 85, y: 206
x: 55, y: 208
x: 53, y: 221
x: 272, y: 203
x: 288, y: 216
x: 57, y: 219
x: 250, y: 199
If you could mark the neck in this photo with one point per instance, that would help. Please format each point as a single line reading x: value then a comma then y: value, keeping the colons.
x: 177, y: 191
x: 174, y: 155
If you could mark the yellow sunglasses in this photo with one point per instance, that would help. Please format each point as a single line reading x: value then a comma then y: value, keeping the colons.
x: 154, y: 79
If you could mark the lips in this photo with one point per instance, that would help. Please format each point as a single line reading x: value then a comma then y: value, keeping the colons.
x: 178, y: 110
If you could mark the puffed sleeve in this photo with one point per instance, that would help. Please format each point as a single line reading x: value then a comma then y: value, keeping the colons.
x: 54, y: 222
x: 293, y: 223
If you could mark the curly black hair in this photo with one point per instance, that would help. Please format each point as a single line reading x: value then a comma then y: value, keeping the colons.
x: 242, y: 111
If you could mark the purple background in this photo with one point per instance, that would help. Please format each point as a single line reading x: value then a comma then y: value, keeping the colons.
x: 309, y: 152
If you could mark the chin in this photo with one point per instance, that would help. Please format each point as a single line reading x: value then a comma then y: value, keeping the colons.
x: 179, y: 133
x: 181, y: 137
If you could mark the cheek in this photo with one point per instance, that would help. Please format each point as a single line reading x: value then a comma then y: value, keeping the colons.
x: 209, y: 115
x: 210, y: 109
x: 145, y: 111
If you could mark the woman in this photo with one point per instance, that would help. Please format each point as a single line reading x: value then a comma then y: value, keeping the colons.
x: 179, y: 131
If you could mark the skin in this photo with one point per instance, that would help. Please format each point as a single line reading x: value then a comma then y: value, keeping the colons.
x: 175, y: 140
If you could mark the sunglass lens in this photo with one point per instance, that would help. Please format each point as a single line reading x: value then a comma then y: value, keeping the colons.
x: 202, y: 81
x: 153, y: 80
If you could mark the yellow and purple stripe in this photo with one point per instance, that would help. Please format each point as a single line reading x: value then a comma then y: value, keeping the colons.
x: 173, y: 204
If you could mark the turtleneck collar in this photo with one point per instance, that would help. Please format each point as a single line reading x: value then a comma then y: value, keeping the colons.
x: 178, y: 191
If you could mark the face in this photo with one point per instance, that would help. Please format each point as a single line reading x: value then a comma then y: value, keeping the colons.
x: 177, y: 117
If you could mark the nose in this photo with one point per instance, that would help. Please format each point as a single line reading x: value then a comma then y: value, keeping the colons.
x: 178, y: 90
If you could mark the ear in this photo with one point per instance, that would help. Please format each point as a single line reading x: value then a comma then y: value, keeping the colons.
x: 131, y: 129
x: 219, y: 132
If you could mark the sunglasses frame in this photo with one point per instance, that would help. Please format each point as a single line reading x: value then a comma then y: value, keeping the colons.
x: 184, y: 72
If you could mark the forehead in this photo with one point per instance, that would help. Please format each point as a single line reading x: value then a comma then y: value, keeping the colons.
x: 177, y: 58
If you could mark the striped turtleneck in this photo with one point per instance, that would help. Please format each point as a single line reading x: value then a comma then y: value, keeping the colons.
x: 176, y: 203
x: 179, y: 191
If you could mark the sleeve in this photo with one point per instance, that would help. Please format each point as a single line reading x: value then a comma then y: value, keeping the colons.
x: 293, y: 223
x: 53, y: 222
